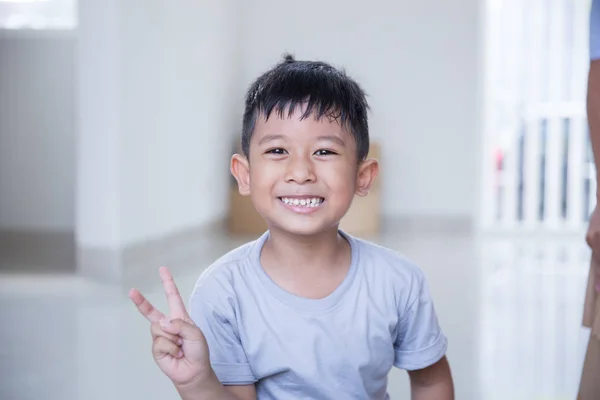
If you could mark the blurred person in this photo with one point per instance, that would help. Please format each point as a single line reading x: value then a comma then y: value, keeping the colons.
x: 305, y: 310
x: 589, y: 388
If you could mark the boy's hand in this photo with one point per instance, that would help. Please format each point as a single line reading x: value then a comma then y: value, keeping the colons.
x: 178, y: 346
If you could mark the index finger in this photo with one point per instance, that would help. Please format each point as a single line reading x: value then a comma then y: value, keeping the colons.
x: 173, y: 297
x: 145, y: 307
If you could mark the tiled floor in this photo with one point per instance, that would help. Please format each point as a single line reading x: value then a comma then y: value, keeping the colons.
x: 510, y: 307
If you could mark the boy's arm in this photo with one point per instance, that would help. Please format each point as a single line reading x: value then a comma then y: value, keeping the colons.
x: 421, y: 345
x: 204, y: 384
x: 433, y: 382
x: 242, y: 392
x: 212, y: 308
x: 181, y: 351
x: 211, y: 388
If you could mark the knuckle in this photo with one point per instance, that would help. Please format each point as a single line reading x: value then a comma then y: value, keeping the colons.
x: 155, y: 329
x: 157, y: 346
x: 158, y: 332
x: 162, y: 344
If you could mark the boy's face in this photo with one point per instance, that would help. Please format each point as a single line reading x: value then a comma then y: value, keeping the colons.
x: 302, y: 174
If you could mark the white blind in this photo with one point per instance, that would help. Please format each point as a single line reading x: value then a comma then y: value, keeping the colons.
x: 536, y: 146
x: 38, y: 14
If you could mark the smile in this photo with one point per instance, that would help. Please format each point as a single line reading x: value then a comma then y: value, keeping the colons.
x: 304, y: 202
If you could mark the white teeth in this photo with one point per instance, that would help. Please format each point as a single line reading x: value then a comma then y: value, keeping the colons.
x: 310, y: 202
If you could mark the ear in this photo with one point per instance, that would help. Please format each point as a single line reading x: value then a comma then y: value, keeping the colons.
x: 240, y: 169
x: 367, y: 172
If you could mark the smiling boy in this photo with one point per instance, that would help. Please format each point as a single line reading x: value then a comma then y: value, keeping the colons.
x: 305, y: 311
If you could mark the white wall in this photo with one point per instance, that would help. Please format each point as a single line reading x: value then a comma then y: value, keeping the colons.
x: 99, y: 169
x: 37, y: 137
x: 418, y: 61
x: 168, y: 76
x: 179, y: 97
x: 182, y: 73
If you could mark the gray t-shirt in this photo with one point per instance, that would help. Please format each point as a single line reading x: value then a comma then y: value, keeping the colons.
x: 339, y: 347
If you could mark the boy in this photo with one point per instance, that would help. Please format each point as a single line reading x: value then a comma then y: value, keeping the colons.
x: 305, y: 311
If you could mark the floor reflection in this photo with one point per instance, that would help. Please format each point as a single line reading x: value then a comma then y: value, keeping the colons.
x: 510, y: 307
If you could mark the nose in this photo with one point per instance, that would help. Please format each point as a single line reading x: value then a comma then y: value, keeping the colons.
x: 300, y: 170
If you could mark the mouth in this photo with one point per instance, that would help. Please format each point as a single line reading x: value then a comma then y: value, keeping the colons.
x: 302, y: 201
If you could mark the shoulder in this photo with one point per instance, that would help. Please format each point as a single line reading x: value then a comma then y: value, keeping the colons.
x: 217, y: 283
x: 387, y: 262
x: 391, y: 271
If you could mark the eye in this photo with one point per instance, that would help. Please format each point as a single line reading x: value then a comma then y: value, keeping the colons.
x: 324, y: 152
x: 277, y: 151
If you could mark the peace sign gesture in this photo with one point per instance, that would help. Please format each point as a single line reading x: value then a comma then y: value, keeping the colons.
x: 178, y: 346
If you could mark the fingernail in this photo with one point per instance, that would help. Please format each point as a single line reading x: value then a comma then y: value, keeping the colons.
x: 180, y: 354
x: 180, y: 341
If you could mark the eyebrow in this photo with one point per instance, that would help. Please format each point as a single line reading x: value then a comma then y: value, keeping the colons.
x: 327, y: 138
x: 332, y: 138
x: 270, y: 138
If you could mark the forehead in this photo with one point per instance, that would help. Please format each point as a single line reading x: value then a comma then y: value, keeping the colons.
x: 297, y: 126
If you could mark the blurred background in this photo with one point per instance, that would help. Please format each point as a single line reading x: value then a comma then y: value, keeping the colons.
x: 118, y: 119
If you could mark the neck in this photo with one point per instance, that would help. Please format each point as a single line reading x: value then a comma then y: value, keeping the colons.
x: 324, y: 250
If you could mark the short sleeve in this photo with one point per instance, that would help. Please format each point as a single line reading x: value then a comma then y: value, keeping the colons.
x: 595, y: 30
x: 420, y: 341
x: 214, y: 314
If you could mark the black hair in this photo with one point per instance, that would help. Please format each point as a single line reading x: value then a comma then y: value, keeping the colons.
x: 326, y: 91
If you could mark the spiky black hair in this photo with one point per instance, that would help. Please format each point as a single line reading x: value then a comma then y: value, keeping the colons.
x: 325, y: 90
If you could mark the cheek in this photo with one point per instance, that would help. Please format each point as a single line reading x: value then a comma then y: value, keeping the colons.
x: 262, y: 176
x: 341, y: 179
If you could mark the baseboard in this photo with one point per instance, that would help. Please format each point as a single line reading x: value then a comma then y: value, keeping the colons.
x: 55, y: 252
x: 37, y: 252
x: 428, y: 224
x: 134, y: 262
x: 174, y: 250
x: 100, y: 264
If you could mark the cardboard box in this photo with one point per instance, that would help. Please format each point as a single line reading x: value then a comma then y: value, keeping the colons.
x: 363, y: 217
x: 243, y: 217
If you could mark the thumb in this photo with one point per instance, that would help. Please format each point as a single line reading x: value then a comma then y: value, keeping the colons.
x: 185, y: 329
